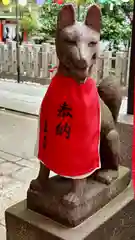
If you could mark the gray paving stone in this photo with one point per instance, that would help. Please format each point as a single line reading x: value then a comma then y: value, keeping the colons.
x: 23, y: 88
x: 12, y: 195
x: 26, y: 174
x: 16, y: 190
x: 6, y: 181
x: 21, y: 97
x: 2, y: 233
x: 8, y: 157
x: 28, y: 163
x: 2, y: 160
x: 2, y: 222
x: 17, y: 135
x: 8, y: 168
x: 34, y: 162
x: 34, y: 159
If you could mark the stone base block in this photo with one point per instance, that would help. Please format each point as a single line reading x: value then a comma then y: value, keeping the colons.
x: 125, y: 129
x: 49, y: 203
x: 115, y: 221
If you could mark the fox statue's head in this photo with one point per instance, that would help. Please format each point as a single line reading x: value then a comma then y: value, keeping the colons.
x: 77, y: 43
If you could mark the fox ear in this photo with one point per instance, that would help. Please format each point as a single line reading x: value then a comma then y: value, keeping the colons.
x: 93, y: 18
x: 66, y: 16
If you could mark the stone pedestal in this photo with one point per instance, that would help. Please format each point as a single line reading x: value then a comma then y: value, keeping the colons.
x: 125, y: 129
x: 115, y: 221
x: 110, y: 211
x: 96, y: 195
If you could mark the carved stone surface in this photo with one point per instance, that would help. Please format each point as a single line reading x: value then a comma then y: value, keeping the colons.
x: 96, y: 195
x: 115, y: 221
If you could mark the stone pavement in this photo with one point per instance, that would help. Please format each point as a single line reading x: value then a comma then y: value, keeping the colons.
x: 17, y: 134
x: 18, y: 166
x: 22, y: 97
x: 15, y: 176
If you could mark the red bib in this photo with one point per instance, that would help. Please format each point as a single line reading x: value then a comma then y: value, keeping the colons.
x: 69, y: 129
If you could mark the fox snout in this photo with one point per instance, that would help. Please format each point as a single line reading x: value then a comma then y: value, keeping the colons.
x: 82, y: 63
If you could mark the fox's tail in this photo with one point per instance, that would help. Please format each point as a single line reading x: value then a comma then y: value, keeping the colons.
x: 110, y: 92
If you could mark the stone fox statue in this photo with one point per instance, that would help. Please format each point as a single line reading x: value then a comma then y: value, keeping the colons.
x: 77, y: 137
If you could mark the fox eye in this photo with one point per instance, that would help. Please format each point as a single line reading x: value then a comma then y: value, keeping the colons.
x: 92, y: 44
x: 71, y: 42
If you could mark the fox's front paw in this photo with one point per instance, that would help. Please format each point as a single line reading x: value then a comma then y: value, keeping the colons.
x: 71, y: 200
x: 106, y: 176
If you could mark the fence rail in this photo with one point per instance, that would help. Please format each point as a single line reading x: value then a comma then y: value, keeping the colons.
x: 35, y: 61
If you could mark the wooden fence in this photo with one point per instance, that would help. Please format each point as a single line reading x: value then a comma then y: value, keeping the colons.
x: 35, y: 61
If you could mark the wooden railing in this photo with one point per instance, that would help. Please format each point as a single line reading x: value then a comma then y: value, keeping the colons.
x: 36, y: 60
